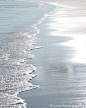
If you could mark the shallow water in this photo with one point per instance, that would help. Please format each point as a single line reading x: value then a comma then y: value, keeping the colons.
x: 62, y: 81
x: 18, y: 27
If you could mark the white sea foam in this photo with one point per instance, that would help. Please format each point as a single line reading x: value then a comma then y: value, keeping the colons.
x: 17, y: 30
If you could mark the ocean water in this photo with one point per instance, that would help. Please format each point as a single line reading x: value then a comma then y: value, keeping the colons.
x: 18, y: 27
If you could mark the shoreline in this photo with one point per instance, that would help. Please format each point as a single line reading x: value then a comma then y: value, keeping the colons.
x: 57, y: 79
x: 70, y: 11
x: 60, y: 63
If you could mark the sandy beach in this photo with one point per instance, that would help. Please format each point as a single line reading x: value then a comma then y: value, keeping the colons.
x: 71, y: 17
x: 70, y: 21
x: 60, y: 63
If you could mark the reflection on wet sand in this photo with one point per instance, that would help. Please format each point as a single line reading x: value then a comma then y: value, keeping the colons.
x: 62, y: 80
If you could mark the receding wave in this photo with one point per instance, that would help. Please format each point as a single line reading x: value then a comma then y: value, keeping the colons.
x: 17, y: 36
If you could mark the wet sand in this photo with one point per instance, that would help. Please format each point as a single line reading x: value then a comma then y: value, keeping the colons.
x: 61, y: 64
x: 71, y: 22
x: 61, y: 80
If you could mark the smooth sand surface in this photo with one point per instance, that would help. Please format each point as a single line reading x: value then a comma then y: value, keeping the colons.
x: 72, y: 19
x: 62, y: 83
x: 61, y: 64
x: 73, y: 16
x: 71, y: 22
